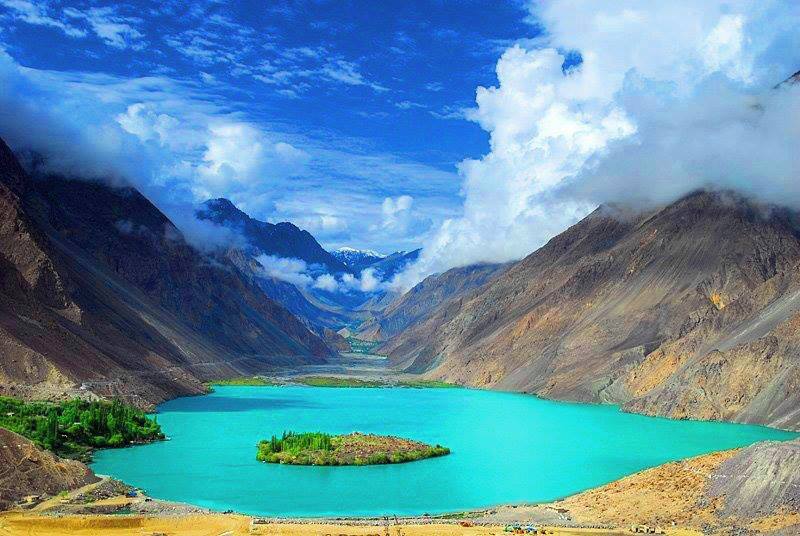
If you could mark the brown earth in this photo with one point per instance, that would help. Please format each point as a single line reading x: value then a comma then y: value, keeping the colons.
x: 101, y: 295
x: 752, y: 489
x: 418, y: 303
x: 688, y: 311
x: 27, y: 470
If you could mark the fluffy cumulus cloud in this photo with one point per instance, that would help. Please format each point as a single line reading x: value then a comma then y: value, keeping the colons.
x: 240, y: 153
x: 666, y: 97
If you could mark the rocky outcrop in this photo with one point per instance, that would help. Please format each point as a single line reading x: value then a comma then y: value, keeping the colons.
x: 27, y: 470
x: 101, y: 294
x: 755, y: 490
x: 759, y: 481
x: 689, y: 310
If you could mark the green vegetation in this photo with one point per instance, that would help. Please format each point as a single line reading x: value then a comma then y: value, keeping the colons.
x: 74, y: 428
x: 316, y: 448
x: 246, y: 381
x: 360, y: 346
x: 427, y: 384
x: 331, y: 381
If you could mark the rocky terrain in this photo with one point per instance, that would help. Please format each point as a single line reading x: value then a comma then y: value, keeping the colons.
x: 102, y: 295
x: 418, y: 303
x: 751, y: 491
x: 689, y: 311
x: 27, y: 470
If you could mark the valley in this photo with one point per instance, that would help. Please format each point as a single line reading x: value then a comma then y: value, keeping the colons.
x: 624, y: 308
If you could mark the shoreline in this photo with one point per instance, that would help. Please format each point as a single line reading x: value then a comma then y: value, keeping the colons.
x: 671, y: 497
x: 558, y: 514
x: 117, y: 514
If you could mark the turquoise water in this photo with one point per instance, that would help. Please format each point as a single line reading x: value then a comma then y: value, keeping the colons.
x: 505, y: 448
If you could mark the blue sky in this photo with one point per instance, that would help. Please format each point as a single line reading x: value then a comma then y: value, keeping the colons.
x: 344, y: 117
x: 478, y: 130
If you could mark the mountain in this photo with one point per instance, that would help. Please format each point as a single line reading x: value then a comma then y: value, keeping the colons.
x: 317, y: 316
x: 425, y: 298
x: 28, y: 470
x: 102, y: 294
x: 357, y: 259
x: 690, y: 310
x: 279, y: 239
x: 390, y: 265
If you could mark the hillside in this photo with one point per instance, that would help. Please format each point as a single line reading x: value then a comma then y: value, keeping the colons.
x: 101, y: 292
x: 688, y: 310
x: 424, y: 298
x: 748, y: 491
x: 28, y: 470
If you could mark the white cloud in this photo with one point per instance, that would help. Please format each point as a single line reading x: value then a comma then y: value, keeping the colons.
x: 39, y: 14
x: 292, y: 271
x: 664, y: 101
x: 326, y: 282
x: 396, y: 210
x: 179, y: 142
x: 298, y: 273
x: 114, y: 29
x: 408, y: 105
x: 240, y: 153
x: 106, y: 23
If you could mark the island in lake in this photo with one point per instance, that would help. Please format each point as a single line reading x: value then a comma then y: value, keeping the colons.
x: 315, y: 448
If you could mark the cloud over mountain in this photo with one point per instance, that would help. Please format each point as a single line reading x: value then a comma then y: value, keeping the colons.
x: 664, y: 98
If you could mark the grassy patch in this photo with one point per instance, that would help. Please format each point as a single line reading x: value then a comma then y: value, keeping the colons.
x: 257, y: 381
x: 74, y: 428
x: 316, y: 448
x: 427, y: 384
x: 331, y: 381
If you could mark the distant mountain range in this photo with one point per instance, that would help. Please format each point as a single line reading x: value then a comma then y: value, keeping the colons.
x: 357, y: 259
x: 279, y: 239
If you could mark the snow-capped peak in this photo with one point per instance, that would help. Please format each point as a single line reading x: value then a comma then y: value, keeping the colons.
x: 347, y: 250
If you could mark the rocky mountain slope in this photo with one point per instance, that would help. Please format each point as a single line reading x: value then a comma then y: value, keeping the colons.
x: 688, y: 310
x: 279, y: 239
x: 754, y: 490
x: 390, y: 265
x: 101, y: 294
x: 316, y: 315
x: 426, y: 297
x: 27, y: 470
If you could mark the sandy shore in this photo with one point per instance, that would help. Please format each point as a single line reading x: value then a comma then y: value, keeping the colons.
x: 99, y: 510
x: 234, y: 525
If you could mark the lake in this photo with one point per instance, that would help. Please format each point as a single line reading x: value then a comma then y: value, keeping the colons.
x: 506, y: 448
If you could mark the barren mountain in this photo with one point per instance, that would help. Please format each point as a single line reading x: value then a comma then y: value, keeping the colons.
x: 101, y: 291
x: 688, y: 310
x: 27, y: 470
x: 422, y: 300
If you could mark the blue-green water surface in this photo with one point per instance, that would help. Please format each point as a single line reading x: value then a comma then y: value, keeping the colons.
x: 506, y: 448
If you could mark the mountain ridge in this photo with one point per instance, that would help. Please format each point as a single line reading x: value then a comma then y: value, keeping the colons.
x: 617, y: 308
x: 94, y: 306
x: 282, y: 239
